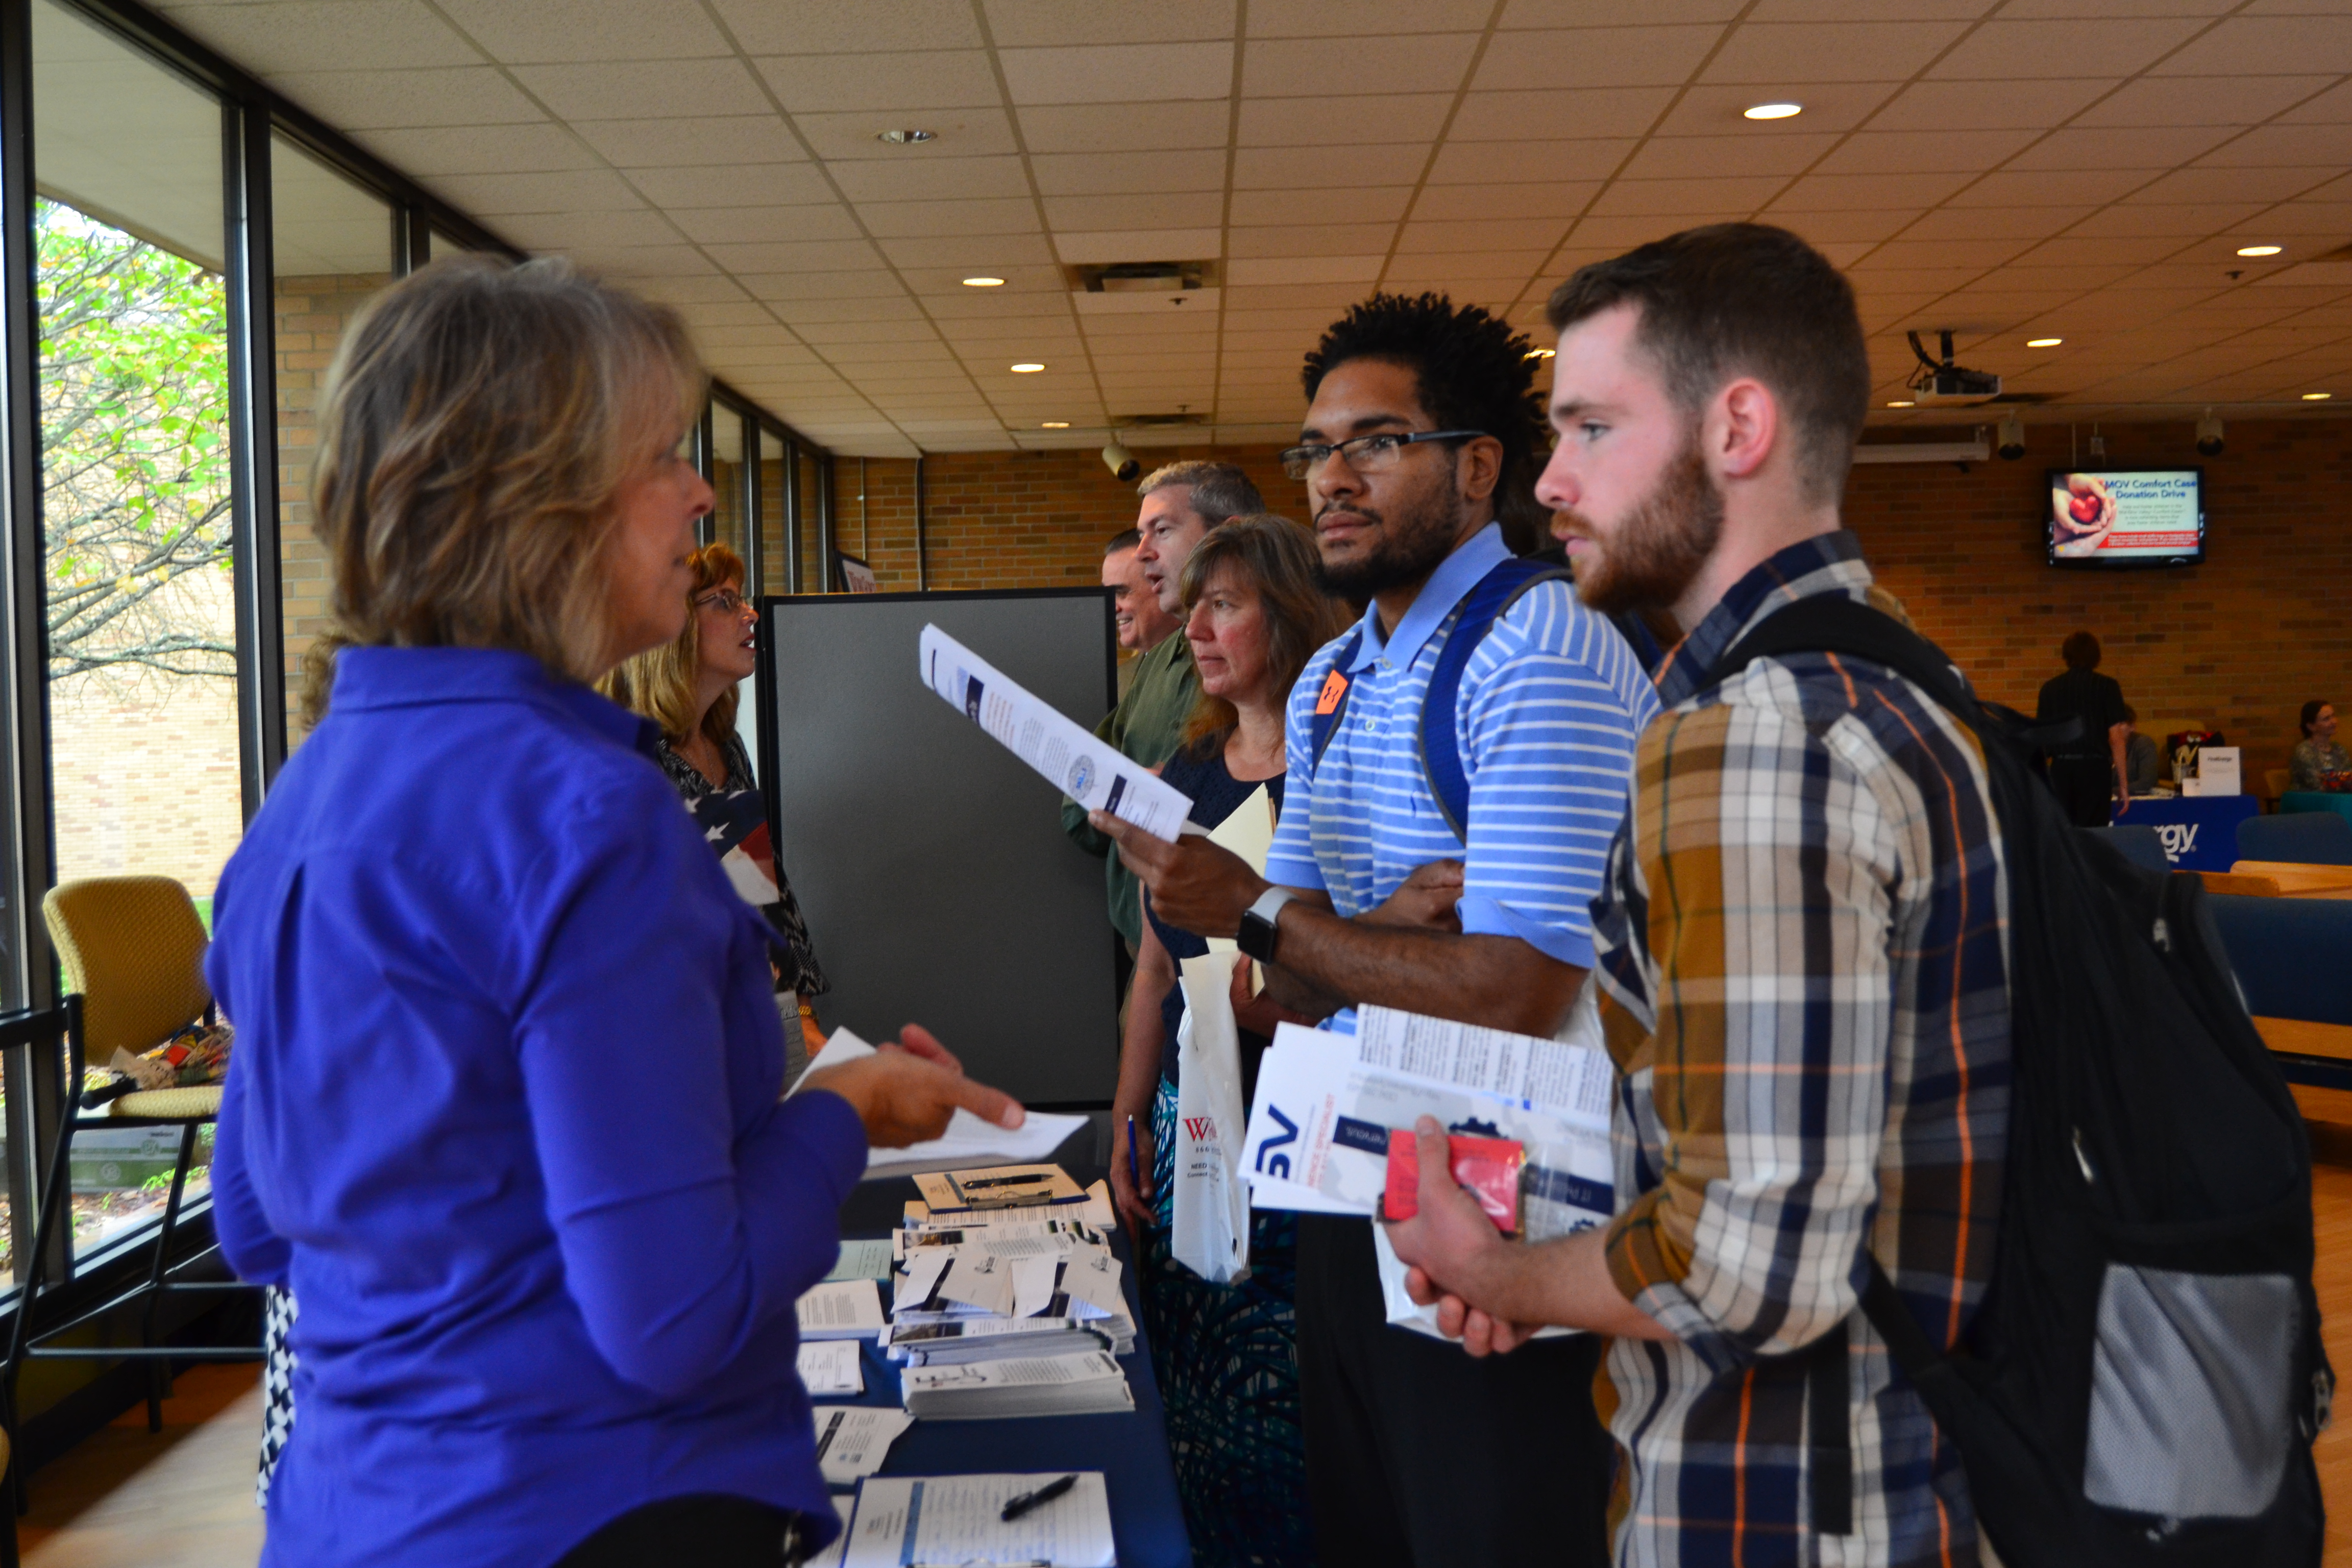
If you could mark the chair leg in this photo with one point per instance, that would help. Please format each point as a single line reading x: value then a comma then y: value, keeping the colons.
x: 158, y: 1370
x: 53, y: 1203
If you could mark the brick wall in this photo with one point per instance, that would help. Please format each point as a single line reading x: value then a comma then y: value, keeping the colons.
x: 2239, y: 643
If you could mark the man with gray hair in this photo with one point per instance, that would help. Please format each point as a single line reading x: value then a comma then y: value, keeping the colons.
x: 1182, y: 502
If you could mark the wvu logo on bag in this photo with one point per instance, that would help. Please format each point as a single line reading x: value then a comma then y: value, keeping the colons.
x: 1335, y: 687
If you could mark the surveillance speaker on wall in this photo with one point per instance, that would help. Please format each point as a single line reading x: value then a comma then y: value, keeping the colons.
x: 2209, y: 435
x: 2012, y: 439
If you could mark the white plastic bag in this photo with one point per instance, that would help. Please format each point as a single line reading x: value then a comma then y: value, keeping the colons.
x: 1209, y: 1232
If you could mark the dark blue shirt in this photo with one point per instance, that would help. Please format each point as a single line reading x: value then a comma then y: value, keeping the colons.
x: 504, y: 1118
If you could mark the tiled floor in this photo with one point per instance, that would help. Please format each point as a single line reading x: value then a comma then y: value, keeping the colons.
x: 185, y: 1499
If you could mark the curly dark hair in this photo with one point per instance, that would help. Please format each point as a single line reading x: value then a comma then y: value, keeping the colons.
x: 1473, y: 372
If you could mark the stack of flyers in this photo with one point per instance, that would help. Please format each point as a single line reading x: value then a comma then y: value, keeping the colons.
x: 1088, y: 1383
x: 968, y: 1283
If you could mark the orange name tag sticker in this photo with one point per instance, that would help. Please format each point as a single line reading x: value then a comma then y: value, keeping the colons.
x: 1335, y: 687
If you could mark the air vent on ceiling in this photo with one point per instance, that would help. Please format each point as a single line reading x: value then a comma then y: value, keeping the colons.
x: 1127, y: 288
x: 1156, y: 421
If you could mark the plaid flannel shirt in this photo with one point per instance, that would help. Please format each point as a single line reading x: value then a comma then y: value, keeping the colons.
x: 1802, y: 955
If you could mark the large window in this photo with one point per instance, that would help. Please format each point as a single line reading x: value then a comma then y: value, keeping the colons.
x: 136, y: 524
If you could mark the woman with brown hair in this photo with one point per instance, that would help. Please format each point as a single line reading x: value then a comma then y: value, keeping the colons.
x: 1225, y: 1354
x: 506, y: 1115
x: 688, y: 686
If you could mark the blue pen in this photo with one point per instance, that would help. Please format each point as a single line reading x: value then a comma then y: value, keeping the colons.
x: 1134, y: 1171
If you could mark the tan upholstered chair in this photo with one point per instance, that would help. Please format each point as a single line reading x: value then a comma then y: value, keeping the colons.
x: 131, y: 950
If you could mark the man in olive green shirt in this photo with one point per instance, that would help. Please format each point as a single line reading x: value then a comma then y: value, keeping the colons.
x: 1181, y: 503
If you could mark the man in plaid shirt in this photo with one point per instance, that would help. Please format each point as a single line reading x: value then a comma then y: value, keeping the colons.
x: 1800, y: 954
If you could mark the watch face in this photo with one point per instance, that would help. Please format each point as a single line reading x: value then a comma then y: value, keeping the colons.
x: 1256, y: 937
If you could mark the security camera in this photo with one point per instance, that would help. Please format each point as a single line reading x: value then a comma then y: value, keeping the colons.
x: 2209, y: 435
x: 2012, y: 439
x: 1121, y: 462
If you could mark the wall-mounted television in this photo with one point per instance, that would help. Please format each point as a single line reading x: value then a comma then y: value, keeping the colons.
x: 2124, y: 517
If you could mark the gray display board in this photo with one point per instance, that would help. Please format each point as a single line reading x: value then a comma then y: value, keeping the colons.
x: 932, y: 865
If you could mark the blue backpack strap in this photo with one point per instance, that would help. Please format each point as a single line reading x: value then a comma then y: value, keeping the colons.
x: 1441, y: 752
x: 1331, y: 701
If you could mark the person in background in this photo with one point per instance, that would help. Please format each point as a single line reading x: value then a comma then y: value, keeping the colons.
x: 1802, y: 953
x: 1226, y: 1354
x: 689, y: 686
x: 2089, y: 771
x: 1181, y: 503
x: 2316, y: 754
x: 507, y: 1112
x: 1419, y: 413
x: 2141, y: 756
x: 1137, y: 619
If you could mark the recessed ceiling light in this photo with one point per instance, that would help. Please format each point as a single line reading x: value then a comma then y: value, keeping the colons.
x: 907, y: 138
x: 1027, y: 368
x: 983, y: 282
x: 1772, y: 111
x: 1900, y: 402
x: 2260, y: 249
x: 2043, y: 342
x: 1540, y: 353
x: 1056, y: 425
x: 2317, y: 396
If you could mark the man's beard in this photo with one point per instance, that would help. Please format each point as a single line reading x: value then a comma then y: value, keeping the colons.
x: 1650, y: 558
x: 1414, y: 538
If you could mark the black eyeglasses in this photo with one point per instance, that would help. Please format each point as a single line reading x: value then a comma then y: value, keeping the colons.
x: 1365, y: 454
x: 727, y: 601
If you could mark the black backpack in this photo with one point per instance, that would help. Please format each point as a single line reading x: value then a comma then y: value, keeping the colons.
x: 2144, y: 1377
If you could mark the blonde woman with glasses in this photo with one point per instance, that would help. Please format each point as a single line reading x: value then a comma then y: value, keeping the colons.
x: 506, y: 1112
x: 689, y: 687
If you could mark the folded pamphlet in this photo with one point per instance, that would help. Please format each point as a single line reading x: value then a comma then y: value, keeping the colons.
x: 852, y: 1440
x: 968, y: 1141
x: 1089, y: 1384
x: 830, y: 1369
x: 841, y: 1309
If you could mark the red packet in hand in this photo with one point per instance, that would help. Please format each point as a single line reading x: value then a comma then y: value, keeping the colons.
x: 1489, y: 1167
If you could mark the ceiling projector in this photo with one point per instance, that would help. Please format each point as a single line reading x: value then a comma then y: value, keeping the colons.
x: 1942, y: 381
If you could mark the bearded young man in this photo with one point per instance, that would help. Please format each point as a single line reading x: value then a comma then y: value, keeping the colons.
x: 1420, y: 413
x: 1800, y: 952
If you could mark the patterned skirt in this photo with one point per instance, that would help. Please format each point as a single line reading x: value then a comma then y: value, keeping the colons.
x: 277, y: 1314
x: 1226, y: 1357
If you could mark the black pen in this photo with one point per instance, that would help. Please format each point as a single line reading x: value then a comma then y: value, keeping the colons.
x: 1018, y: 1506
x: 1006, y: 1182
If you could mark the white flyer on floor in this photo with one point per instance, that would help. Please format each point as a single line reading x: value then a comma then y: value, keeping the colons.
x: 1093, y: 773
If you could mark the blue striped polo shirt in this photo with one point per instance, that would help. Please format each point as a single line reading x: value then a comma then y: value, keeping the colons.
x: 1549, y: 709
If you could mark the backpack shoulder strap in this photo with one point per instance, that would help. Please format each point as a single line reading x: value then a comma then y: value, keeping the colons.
x: 1440, y: 750
x: 1331, y: 701
x: 1831, y: 623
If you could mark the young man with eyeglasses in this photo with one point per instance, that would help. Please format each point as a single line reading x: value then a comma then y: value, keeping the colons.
x: 1420, y: 414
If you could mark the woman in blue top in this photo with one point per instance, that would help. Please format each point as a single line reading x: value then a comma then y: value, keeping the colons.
x: 505, y: 1113
x: 1225, y: 1354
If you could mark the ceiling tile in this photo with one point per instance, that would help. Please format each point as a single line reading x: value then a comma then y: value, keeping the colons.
x: 2275, y: 144
x: 648, y: 144
x: 710, y: 185
x: 1848, y: 228
x: 1948, y: 106
x: 570, y: 232
x: 2051, y: 188
x: 1977, y: 254
x: 1669, y: 197
x: 1523, y: 13
x: 1116, y: 127
x: 1310, y: 239
x: 1691, y: 157
x: 1118, y: 73
x: 787, y: 286
x: 1018, y: 22
x: 2002, y: 50
x: 916, y: 81
x: 832, y: 26
x: 992, y: 253
x: 1409, y: 63
x: 1995, y: 223
x: 2332, y: 107
x: 1870, y: 10
x: 2267, y: 46
x: 1372, y: 163
x: 1613, y: 233
x: 881, y: 308
x: 480, y: 150
x: 368, y: 101
x: 919, y: 179
x: 895, y: 220
x: 2144, y: 147
x: 1252, y: 282
x: 1779, y: 55
x: 816, y: 255
x: 1312, y: 18
x: 1486, y: 235
x: 269, y: 40
x: 682, y: 90
x: 855, y: 135
x: 1076, y: 246
x: 2178, y: 220
x: 731, y: 224
x: 1118, y: 173
x: 1557, y: 198
x: 1189, y: 209
x: 574, y: 190
x: 1868, y: 193
x: 1596, y: 56
x: 2234, y: 185
x: 1708, y: 110
x: 1496, y: 163
x: 641, y: 30
x: 1321, y: 203
x: 1326, y: 120
x: 1876, y: 152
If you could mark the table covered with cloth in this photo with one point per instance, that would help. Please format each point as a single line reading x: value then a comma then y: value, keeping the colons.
x: 1131, y: 1450
x: 2199, y: 831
